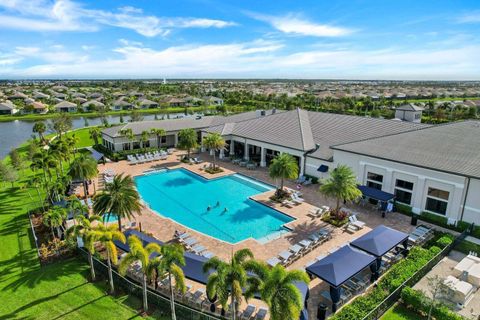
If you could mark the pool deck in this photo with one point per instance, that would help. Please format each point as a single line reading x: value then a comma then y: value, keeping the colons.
x: 303, y: 225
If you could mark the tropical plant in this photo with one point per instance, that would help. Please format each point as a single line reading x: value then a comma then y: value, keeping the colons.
x: 77, y: 207
x: 142, y: 254
x: 276, y: 287
x: 106, y: 235
x: 83, y: 229
x: 228, y: 279
x: 144, y: 138
x: 158, y: 133
x: 215, y: 142
x: 95, y: 134
x: 15, y: 158
x: 54, y: 219
x: 60, y: 151
x: 171, y: 263
x: 341, y: 185
x: 83, y: 168
x: 45, y: 161
x: 187, y: 140
x: 61, y: 124
x: 11, y: 175
x: 284, y: 166
x: 35, y: 182
x: 39, y: 127
x: 119, y: 198
x: 128, y: 133
x: 71, y: 142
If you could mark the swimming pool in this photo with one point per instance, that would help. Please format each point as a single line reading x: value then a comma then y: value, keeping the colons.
x: 185, y: 197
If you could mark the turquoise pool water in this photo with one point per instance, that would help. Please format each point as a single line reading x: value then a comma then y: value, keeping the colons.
x: 184, y: 197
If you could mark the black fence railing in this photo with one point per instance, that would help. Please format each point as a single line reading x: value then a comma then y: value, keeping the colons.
x: 389, y: 301
x: 156, y: 299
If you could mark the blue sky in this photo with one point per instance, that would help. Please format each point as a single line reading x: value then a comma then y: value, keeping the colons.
x: 354, y: 39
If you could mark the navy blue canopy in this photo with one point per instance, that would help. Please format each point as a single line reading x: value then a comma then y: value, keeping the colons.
x: 380, y: 240
x: 96, y: 155
x: 375, y: 193
x: 341, y: 265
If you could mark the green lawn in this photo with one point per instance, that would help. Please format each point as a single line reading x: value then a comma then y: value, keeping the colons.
x: 83, y: 136
x: 57, y: 291
x: 399, y: 312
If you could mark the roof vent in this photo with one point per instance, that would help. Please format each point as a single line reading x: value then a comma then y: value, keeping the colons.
x: 262, y: 113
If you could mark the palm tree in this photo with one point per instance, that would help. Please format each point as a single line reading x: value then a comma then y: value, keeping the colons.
x: 40, y: 128
x: 35, y: 182
x: 54, y: 218
x: 228, y: 279
x: 60, y: 151
x: 276, y: 287
x: 159, y: 133
x: 83, y: 229
x: 77, y: 207
x: 119, y: 198
x: 341, y: 185
x: 142, y: 254
x: 283, y: 166
x: 45, y: 161
x: 187, y: 140
x: 106, y: 234
x: 171, y: 262
x: 128, y: 133
x: 215, y: 142
x: 71, y: 141
x: 83, y: 168
x: 144, y: 138
x: 95, y: 134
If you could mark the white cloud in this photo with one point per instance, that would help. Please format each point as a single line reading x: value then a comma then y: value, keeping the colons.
x: 67, y: 15
x: 471, y: 17
x: 296, y: 25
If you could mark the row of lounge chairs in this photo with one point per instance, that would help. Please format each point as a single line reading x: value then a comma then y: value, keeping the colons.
x: 301, y: 248
x: 191, y: 244
x: 147, y: 157
x: 195, y: 160
x: 420, y: 235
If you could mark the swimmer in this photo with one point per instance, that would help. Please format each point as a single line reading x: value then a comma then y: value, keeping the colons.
x: 225, y: 210
x: 209, y: 208
x: 218, y: 204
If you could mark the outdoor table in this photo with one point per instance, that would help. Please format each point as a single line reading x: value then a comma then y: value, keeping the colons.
x: 285, y: 255
x: 296, y: 248
x: 273, y: 261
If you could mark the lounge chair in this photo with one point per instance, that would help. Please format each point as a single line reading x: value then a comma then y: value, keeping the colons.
x: 288, y: 203
x: 248, y: 312
x: 261, y: 314
x: 198, y: 248
x: 207, y: 254
x: 182, y: 236
x: 357, y: 223
x: 272, y: 262
x: 197, y: 160
x: 297, y: 199
x: 190, y: 242
x: 286, y: 256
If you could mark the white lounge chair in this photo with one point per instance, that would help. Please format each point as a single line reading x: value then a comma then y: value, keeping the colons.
x: 198, y: 248
x: 297, y: 199
x: 354, y: 221
x: 288, y: 203
x: 197, y: 160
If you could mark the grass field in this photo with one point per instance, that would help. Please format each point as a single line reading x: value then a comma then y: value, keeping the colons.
x: 399, y: 312
x: 83, y: 136
x: 57, y: 291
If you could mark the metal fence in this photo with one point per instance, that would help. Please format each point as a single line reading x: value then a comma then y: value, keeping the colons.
x: 183, y: 312
x: 389, y: 301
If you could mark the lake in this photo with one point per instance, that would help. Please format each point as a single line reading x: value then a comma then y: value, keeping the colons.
x: 14, y: 133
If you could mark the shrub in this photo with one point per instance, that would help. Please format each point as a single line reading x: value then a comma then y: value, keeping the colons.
x: 445, y: 240
x: 442, y: 221
x: 336, y: 219
x: 418, y: 302
x: 403, y: 208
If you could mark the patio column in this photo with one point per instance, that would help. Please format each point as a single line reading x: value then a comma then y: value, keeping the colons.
x: 335, y: 294
x: 302, y: 166
x: 246, y: 155
x: 222, y: 153
x: 176, y: 139
x: 263, y: 160
x: 232, y: 147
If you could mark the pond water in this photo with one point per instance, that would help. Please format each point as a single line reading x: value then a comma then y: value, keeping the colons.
x: 14, y: 133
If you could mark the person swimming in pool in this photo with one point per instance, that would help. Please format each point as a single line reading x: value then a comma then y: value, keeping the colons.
x: 209, y: 208
x: 218, y: 204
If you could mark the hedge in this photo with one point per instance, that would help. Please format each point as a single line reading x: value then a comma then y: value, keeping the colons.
x: 394, y: 278
x: 419, y: 303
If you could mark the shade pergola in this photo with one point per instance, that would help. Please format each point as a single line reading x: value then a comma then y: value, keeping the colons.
x: 380, y: 240
x: 338, y: 267
x: 376, y: 194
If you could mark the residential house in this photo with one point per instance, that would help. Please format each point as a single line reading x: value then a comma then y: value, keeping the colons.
x: 66, y: 106
x: 7, y: 107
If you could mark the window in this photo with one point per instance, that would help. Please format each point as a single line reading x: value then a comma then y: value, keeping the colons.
x: 136, y: 145
x: 374, y: 180
x: 403, y: 191
x: 126, y: 146
x: 437, y: 201
x: 163, y: 139
x: 146, y: 144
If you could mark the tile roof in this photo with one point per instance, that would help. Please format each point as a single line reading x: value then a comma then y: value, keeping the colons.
x: 452, y: 148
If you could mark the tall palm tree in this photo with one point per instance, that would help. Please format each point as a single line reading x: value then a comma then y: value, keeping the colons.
x: 36, y: 182
x: 276, y: 288
x: 144, y: 138
x: 215, y: 142
x: 106, y: 235
x: 159, y: 133
x: 95, y: 134
x: 171, y: 262
x: 44, y: 160
x: 60, y: 151
x: 341, y: 185
x: 228, y: 279
x: 83, y: 168
x: 128, y: 133
x: 39, y: 127
x: 71, y: 141
x: 119, y: 198
x: 284, y: 166
x: 187, y: 140
x: 83, y: 229
x: 142, y: 254
x: 77, y: 207
x: 54, y: 219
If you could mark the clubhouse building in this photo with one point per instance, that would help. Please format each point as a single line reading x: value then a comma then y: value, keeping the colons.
x: 434, y: 169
